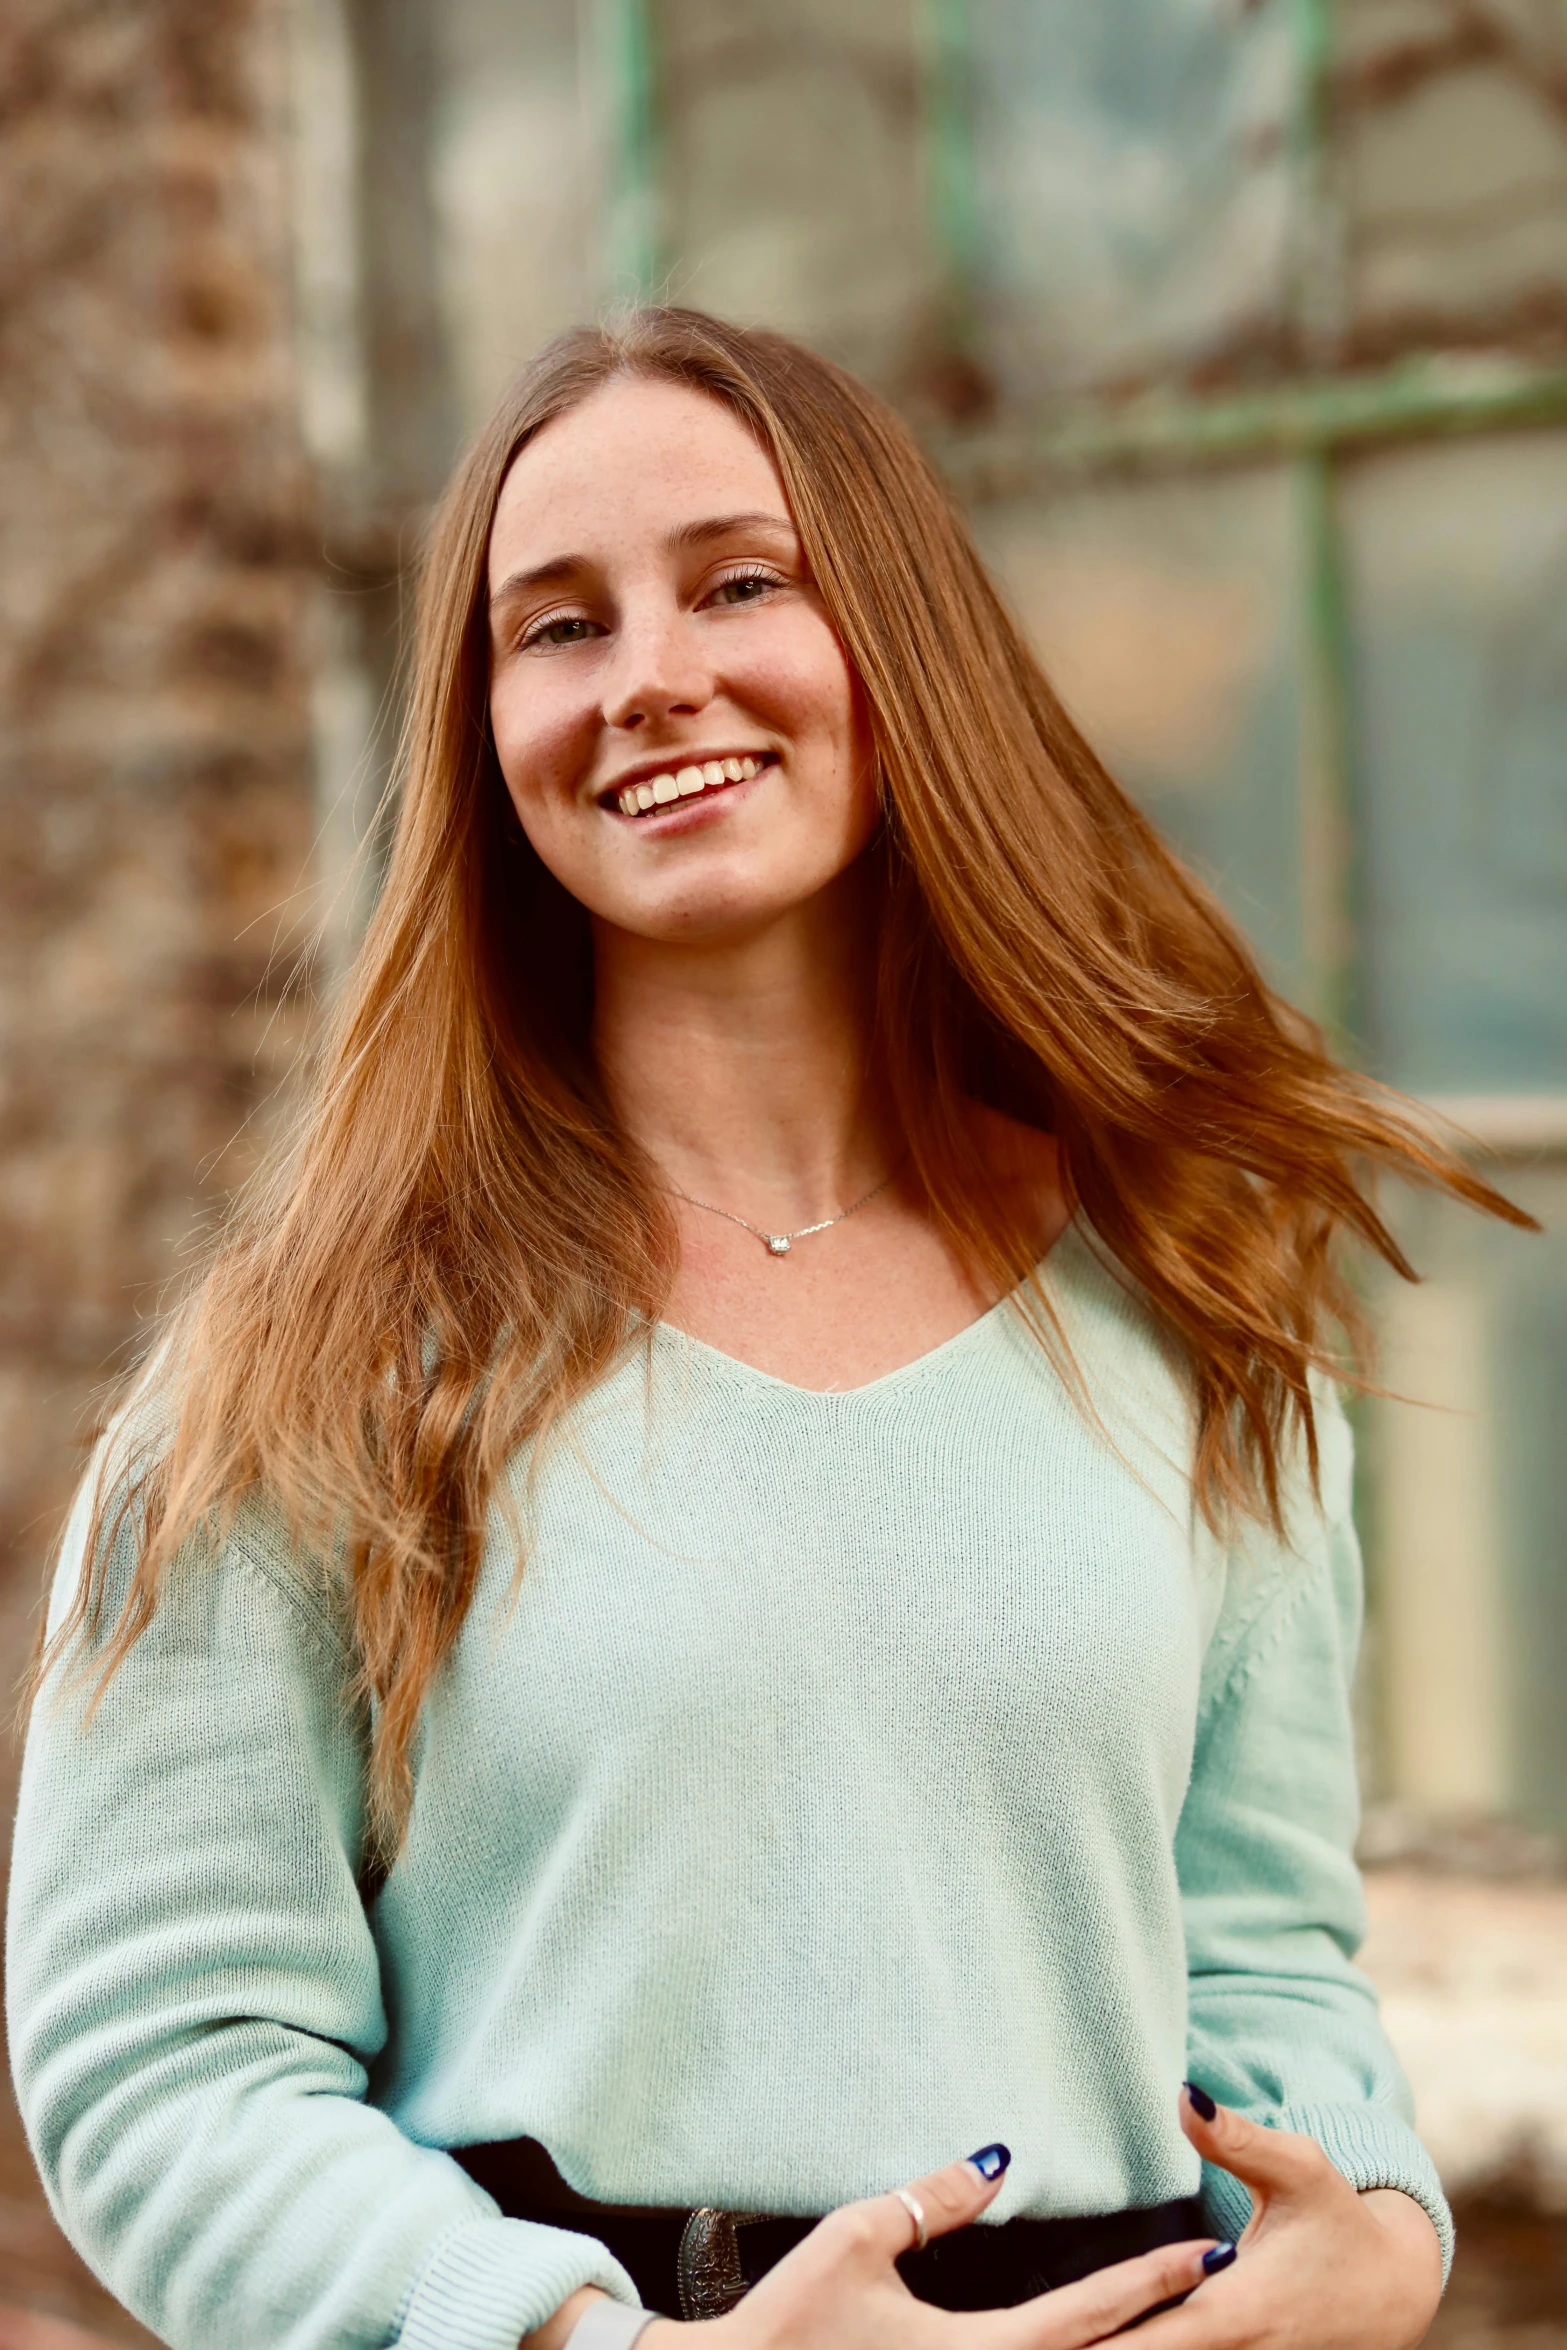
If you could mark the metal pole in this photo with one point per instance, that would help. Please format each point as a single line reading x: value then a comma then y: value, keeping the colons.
x: 949, y: 151
x: 1329, y: 817
x: 1434, y: 395
x: 1330, y: 861
x: 627, y: 46
x: 1317, y: 293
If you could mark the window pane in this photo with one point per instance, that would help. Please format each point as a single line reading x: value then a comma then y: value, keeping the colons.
x: 1133, y: 169
x: 1453, y: 154
x: 795, y: 171
x: 1469, y: 1603
x: 1163, y: 613
x: 518, y: 169
x: 1458, y: 575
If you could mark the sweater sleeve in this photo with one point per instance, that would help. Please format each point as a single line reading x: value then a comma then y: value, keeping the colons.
x: 194, y: 1999
x: 1283, y: 2025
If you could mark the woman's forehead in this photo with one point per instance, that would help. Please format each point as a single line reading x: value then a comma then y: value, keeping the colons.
x: 636, y: 456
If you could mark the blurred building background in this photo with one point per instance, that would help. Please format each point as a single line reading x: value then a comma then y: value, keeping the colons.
x: 1241, y: 326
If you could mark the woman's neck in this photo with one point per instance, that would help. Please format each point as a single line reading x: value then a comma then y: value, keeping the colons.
x: 743, y: 1068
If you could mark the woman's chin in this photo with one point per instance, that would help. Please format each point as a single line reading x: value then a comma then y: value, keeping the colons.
x: 717, y: 902
x: 710, y: 919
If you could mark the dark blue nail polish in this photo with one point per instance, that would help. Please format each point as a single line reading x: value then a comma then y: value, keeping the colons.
x: 1219, y: 2257
x: 991, y: 2161
x: 1202, y: 2103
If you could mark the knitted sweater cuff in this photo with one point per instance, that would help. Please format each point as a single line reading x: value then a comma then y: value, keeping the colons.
x: 490, y: 2281
x: 1372, y: 2148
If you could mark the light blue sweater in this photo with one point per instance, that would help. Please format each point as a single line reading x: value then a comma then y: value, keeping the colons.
x: 851, y: 1780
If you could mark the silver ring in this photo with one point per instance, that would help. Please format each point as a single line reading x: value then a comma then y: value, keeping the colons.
x: 911, y: 2205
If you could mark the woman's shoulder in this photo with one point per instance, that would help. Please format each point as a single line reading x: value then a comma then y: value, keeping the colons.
x: 252, y: 1545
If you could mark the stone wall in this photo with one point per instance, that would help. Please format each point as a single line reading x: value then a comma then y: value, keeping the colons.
x: 155, y: 576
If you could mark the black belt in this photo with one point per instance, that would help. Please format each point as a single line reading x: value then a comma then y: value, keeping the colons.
x: 700, y: 2263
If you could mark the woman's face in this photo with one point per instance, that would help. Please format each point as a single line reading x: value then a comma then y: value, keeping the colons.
x: 676, y: 721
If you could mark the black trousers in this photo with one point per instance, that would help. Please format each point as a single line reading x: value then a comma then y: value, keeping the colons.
x: 976, y: 2268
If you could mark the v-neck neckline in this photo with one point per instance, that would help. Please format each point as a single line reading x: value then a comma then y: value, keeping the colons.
x: 916, y: 1366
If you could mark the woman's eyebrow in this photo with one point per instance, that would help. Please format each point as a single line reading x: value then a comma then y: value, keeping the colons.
x: 689, y: 534
x: 551, y: 574
x: 697, y: 534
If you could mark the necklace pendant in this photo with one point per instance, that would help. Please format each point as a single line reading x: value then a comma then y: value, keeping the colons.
x: 778, y: 1244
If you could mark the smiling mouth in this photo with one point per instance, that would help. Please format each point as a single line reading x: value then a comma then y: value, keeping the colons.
x: 656, y: 792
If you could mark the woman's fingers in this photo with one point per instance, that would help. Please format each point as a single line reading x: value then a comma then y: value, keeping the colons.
x: 890, y: 2225
x: 1278, y: 2163
x: 1110, y: 2299
x: 839, y: 2286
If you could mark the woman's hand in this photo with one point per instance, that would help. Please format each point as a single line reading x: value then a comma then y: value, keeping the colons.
x: 1320, y: 2266
x: 839, y: 2289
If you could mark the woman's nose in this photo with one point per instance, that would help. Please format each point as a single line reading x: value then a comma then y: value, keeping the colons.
x: 657, y: 673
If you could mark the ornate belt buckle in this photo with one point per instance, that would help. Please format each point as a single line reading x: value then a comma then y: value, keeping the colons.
x: 711, y: 2278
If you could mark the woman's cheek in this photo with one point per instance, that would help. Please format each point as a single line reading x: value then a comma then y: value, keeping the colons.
x: 533, y: 747
x: 801, y: 708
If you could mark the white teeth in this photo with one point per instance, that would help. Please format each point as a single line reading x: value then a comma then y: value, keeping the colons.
x: 685, y: 783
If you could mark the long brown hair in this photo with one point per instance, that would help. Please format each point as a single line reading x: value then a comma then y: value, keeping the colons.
x: 461, y: 1240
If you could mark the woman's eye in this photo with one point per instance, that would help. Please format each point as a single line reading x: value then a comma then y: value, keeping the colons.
x: 744, y: 588
x: 571, y: 629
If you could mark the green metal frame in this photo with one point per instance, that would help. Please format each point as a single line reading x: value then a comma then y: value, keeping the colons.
x: 1327, y: 774
x: 949, y: 162
x: 1420, y: 398
x: 626, y: 36
x: 1332, y: 906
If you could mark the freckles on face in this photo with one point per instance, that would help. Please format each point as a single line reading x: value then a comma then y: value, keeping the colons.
x: 675, y: 718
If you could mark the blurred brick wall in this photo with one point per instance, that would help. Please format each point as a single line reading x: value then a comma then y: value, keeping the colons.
x: 155, y: 584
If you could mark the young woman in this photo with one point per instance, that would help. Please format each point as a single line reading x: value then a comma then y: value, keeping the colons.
x: 740, y: 1576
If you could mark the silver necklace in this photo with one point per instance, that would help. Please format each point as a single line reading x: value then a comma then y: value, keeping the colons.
x: 778, y: 1244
